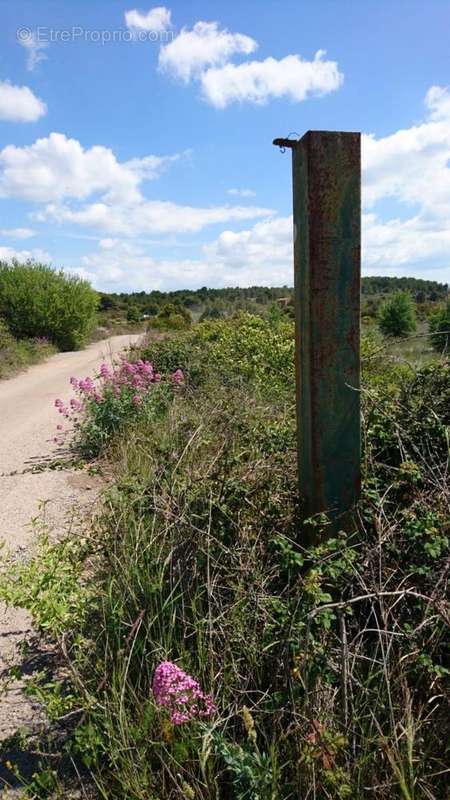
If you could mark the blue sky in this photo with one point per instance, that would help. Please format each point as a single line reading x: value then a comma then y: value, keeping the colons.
x: 145, y: 160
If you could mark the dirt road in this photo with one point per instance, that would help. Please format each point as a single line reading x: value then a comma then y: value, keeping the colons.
x: 28, y: 422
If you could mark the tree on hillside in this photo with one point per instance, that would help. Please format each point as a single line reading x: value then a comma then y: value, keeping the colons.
x: 397, y: 316
x: 440, y: 329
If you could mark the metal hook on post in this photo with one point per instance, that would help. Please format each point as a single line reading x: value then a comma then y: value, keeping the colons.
x: 287, y: 142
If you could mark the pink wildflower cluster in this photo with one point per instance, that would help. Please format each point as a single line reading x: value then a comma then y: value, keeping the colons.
x: 180, y: 694
x: 125, y: 378
x: 136, y: 376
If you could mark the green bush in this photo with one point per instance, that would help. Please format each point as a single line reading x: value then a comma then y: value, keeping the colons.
x: 244, y: 348
x: 397, y: 316
x: 440, y: 329
x: 38, y: 301
x: 133, y: 314
x: 172, y: 317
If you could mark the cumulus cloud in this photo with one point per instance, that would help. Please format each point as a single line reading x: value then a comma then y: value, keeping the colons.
x: 410, y: 244
x: 60, y: 174
x: 19, y: 104
x: 9, y: 253
x: 260, y: 81
x: 206, y: 45
x: 437, y: 99
x: 260, y: 255
x: 34, y: 48
x: 204, y: 53
x: 17, y: 233
x: 57, y: 167
x: 157, y: 20
x: 411, y: 164
x: 148, y: 216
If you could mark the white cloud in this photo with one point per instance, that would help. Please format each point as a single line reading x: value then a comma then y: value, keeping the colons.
x: 260, y: 81
x: 148, y: 216
x: 206, y: 45
x: 260, y: 255
x: 437, y: 99
x: 17, y: 233
x: 125, y: 265
x: 156, y: 20
x: 241, y: 192
x: 150, y: 167
x: 9, y: 253
x: 60, y: 173
x: 204, y: 54
x: 267, y: 242
x: 411, y: 165
x: 57, y: 167
x: 34, y: 47
x: 19, y: 104
x: 412, y: 244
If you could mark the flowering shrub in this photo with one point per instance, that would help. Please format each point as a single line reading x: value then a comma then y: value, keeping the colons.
x: 180, y: 694
x: 104, y: 406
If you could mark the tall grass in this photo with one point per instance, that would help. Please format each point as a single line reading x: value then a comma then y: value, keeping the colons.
x: 326, y: 663
x: 17, y: 354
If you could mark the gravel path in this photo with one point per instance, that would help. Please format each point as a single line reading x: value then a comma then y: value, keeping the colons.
x: 28, y: 422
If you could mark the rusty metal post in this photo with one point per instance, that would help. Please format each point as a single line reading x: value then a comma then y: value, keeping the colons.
x: 327, y: 267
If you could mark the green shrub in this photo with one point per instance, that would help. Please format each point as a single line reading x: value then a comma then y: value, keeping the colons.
x: 440, y: 329
x: 172, y: 317
x: 242, y: 349
x: 397, y: 316
x: 133, y: 314
x: 37, y: 301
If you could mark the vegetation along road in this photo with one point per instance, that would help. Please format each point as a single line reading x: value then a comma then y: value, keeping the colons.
x: 30, y: 486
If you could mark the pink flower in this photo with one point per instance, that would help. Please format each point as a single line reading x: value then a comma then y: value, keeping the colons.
x: 137, y: 400
x: 178, y: 377
x: 180, y: 694
x: 86, y: 385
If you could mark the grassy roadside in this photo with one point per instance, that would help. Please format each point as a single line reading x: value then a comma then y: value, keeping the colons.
x: 326, y: 664
x: 18, y: 354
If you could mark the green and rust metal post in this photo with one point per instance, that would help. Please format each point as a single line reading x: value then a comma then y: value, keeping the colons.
x: 326, y: 170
